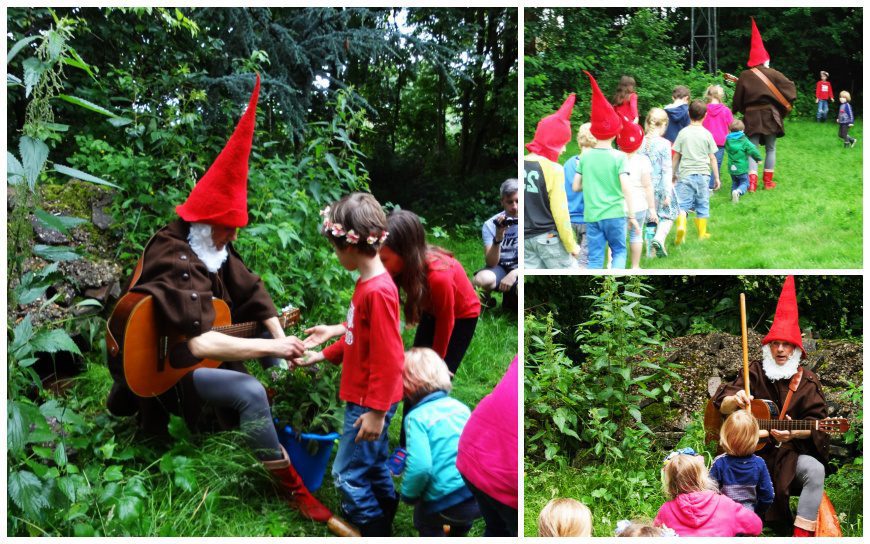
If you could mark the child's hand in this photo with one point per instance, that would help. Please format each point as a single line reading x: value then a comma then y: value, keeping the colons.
x: 309, y: 358
x: 667, y: 201
x: 371, y: 425
x: 634, y: 224
x: 653, y: 216
x: 717, y: 185
x: 319, y: 334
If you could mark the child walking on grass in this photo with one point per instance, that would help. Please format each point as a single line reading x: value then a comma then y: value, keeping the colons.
x: 678, y: 112
x: 718, y: 120
x: 658, y: 150
x: 740, y: 474
x: 694, y: 507
x: 739, y: 147
x: 625, y: 100
x: 585, y: 141
x: 371, y: 354
x: 642, y: 205
x: 565, y: 517
x: 694, y: 158
x: 846, y: 119
x: 433, y: 426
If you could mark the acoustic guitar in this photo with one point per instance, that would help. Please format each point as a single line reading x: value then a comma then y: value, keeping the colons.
x: 133, y: 334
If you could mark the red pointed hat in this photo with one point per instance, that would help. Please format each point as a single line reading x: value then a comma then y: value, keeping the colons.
x: 553, y: 132
x: 757, y: 53
x: 630, y: 137
x: 785, y: 323
x: 220, y: 197
x: 606, y: 123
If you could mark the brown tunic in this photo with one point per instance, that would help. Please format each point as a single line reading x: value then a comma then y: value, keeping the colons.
x: 183, y: 288
x: 806, y: 403
x: 762, y: 112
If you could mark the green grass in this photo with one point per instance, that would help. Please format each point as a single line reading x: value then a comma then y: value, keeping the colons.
x: 234, y: 496
x: 813, y: 219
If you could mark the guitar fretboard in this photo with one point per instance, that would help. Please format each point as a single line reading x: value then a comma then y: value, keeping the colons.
x: 239, y: 330
x: 788, y: 424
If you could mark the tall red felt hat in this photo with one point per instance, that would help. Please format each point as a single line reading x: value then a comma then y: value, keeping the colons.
x: 630, y: 137
x: 553, y: 131
x: 220, y: 197
x: 757, y: 53
x: 606, y: 123
x: 785, y: 323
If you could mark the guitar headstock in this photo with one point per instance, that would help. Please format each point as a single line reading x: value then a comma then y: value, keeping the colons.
x: 730, y: 78
x: 290, y: 315
x: 834, y: 425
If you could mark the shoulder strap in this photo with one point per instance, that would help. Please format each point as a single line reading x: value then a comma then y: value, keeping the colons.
x: 778, y: 95
x: 792, y: 387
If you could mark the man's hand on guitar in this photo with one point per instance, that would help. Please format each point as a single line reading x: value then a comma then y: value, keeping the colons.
x: 309, y: 358
x: 788, y: 436
x: 321, y: 333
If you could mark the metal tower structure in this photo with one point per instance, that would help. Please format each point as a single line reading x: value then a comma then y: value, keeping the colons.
x: 703, y: 42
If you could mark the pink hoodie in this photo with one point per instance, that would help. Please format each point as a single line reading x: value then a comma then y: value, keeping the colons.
x: 718, y: 118
x: 707, y: 513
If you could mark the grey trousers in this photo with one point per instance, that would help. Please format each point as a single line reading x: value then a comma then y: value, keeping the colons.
x: 769, y: 152
x: 810, y: 474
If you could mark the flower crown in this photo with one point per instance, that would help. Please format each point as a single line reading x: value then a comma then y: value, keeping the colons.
x: 337, y: 231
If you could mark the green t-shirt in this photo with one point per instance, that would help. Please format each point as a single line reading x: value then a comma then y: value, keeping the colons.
x: 599, y: 169
x: 694, y: 144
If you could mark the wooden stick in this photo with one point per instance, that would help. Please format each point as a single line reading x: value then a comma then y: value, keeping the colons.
x: 745, y: 346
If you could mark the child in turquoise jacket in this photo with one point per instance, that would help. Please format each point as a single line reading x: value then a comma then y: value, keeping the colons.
x: 432, y: 427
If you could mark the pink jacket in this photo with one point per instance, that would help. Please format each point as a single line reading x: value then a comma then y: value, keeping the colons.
x: 488, y: 447
x: 707, y: 513
x: 717, y: 121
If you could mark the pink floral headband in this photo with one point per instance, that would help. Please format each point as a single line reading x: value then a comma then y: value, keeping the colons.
x: 337, y: 231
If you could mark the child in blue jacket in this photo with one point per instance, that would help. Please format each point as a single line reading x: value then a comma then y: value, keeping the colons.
x: 846, y: 119
x: 432, y: 427
x: 742, y: 476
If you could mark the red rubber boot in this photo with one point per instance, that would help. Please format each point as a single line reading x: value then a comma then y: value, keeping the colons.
x: 798, y: 532
x: 299, y: 497
x: 768, y: 180
x: 753, y: 182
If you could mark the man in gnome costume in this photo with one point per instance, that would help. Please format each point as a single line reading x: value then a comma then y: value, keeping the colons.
x: 183, y: 267
x: 764, y: 96
x: 549, y: 239
x: 797, y: 458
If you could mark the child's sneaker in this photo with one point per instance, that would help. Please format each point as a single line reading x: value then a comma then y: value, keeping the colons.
x: 659, y: 249
x: 735, y: 196
x: 852, y: 144
x: 396, y: 462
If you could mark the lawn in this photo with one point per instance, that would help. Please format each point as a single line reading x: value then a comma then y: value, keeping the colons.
x: 813, y: 219
x: 231, y: 494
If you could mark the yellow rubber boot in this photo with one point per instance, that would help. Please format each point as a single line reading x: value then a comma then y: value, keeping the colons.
x: 681, y: 230
x: 702, y: 228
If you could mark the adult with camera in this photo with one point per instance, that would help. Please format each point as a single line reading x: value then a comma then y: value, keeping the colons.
x: 500, y: 243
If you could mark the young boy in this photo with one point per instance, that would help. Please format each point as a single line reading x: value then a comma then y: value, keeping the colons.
x: 694, y: 158
x: 737, y: 147
x: 846, y: 119
x: 585, y: 141
x: 372, y: 356
x: 824, y: 92
x: 678, y: 112
x: 602, y: 175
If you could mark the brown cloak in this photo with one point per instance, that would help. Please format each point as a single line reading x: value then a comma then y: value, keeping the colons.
x: 183, y: 288
x: 806, y: 403
x: 762, y: 112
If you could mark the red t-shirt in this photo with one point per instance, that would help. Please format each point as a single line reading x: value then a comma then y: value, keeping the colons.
x: 451, y: 297
x: 371, y: 350
x: 824, y: 90
x: 628, y: 109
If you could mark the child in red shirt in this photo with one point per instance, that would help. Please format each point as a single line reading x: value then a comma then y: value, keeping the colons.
x: 824, y: 92
x: 625, y: 99
x: 372, y: 357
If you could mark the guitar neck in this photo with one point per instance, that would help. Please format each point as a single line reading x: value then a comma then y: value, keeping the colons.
x: 239, y: 330
x: 788, y: 424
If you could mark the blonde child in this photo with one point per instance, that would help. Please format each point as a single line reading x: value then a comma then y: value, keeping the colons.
x: 371, y: 354
x: 432, y: 427
x: 585, y: 141
x: 739, y: 473
x: 846, y: 119
x: 658, y: 150
x: 625, y: 100
x: 642, y: 204
x: 718, y: 120
x: 565, y: 517
x: 694, y: 507
x: 626, y: 528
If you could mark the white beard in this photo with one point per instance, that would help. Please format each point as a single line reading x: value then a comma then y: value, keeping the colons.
x: 775, y: 371
x: 202, y: 244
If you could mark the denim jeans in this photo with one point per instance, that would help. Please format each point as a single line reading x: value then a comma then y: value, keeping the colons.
x: 459, y: 517
x: 607, y: 232
x: 360, y: 471
x: 693, y: 193
x: 822, y: 112
x: 720, y: 154
x: 740, y: 183
x: 546, y: 251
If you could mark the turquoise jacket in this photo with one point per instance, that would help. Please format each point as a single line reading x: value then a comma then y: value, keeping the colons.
x: 432, y: 429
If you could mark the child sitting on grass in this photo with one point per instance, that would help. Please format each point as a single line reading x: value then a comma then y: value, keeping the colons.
x: 694, y: 507
x: 371, y: 354
x: 626, y: 528
x: 740, y: 474
x: 738, y: 147
x: 694, y: 158
x: 658, y: 150
x: 432, y: 427
x: 565, y: 517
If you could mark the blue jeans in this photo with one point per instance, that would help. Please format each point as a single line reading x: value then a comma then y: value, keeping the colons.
x: 720, y: 154
x: 740, y: 183
x: 693, y: 193
x: 822, y: 112
x: 607, y: 232
x: 360, y: 471
x: 459, y: 517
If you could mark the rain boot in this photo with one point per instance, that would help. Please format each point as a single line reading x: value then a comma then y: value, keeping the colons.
x: 753, y: 182
x: 768, y: 180
x: 681, y: 229
x: 804, y: 527
x: 701, y: 223
x: 798, y: 532
x: 390, y: 506
x: 298, y: 495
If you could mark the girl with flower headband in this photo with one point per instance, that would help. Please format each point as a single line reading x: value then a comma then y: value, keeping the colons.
x: 372, y: 356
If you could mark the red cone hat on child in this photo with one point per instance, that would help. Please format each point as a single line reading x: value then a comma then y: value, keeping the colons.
x: 553, y: 132
x: 785, y: 326
x: 757, y: 53
x: 606, y: 123
x: 220, y: 197
x: 630, y: 137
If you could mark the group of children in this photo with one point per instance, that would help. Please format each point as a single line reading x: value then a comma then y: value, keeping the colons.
x: 727, y: 500
x: 845, y: 117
